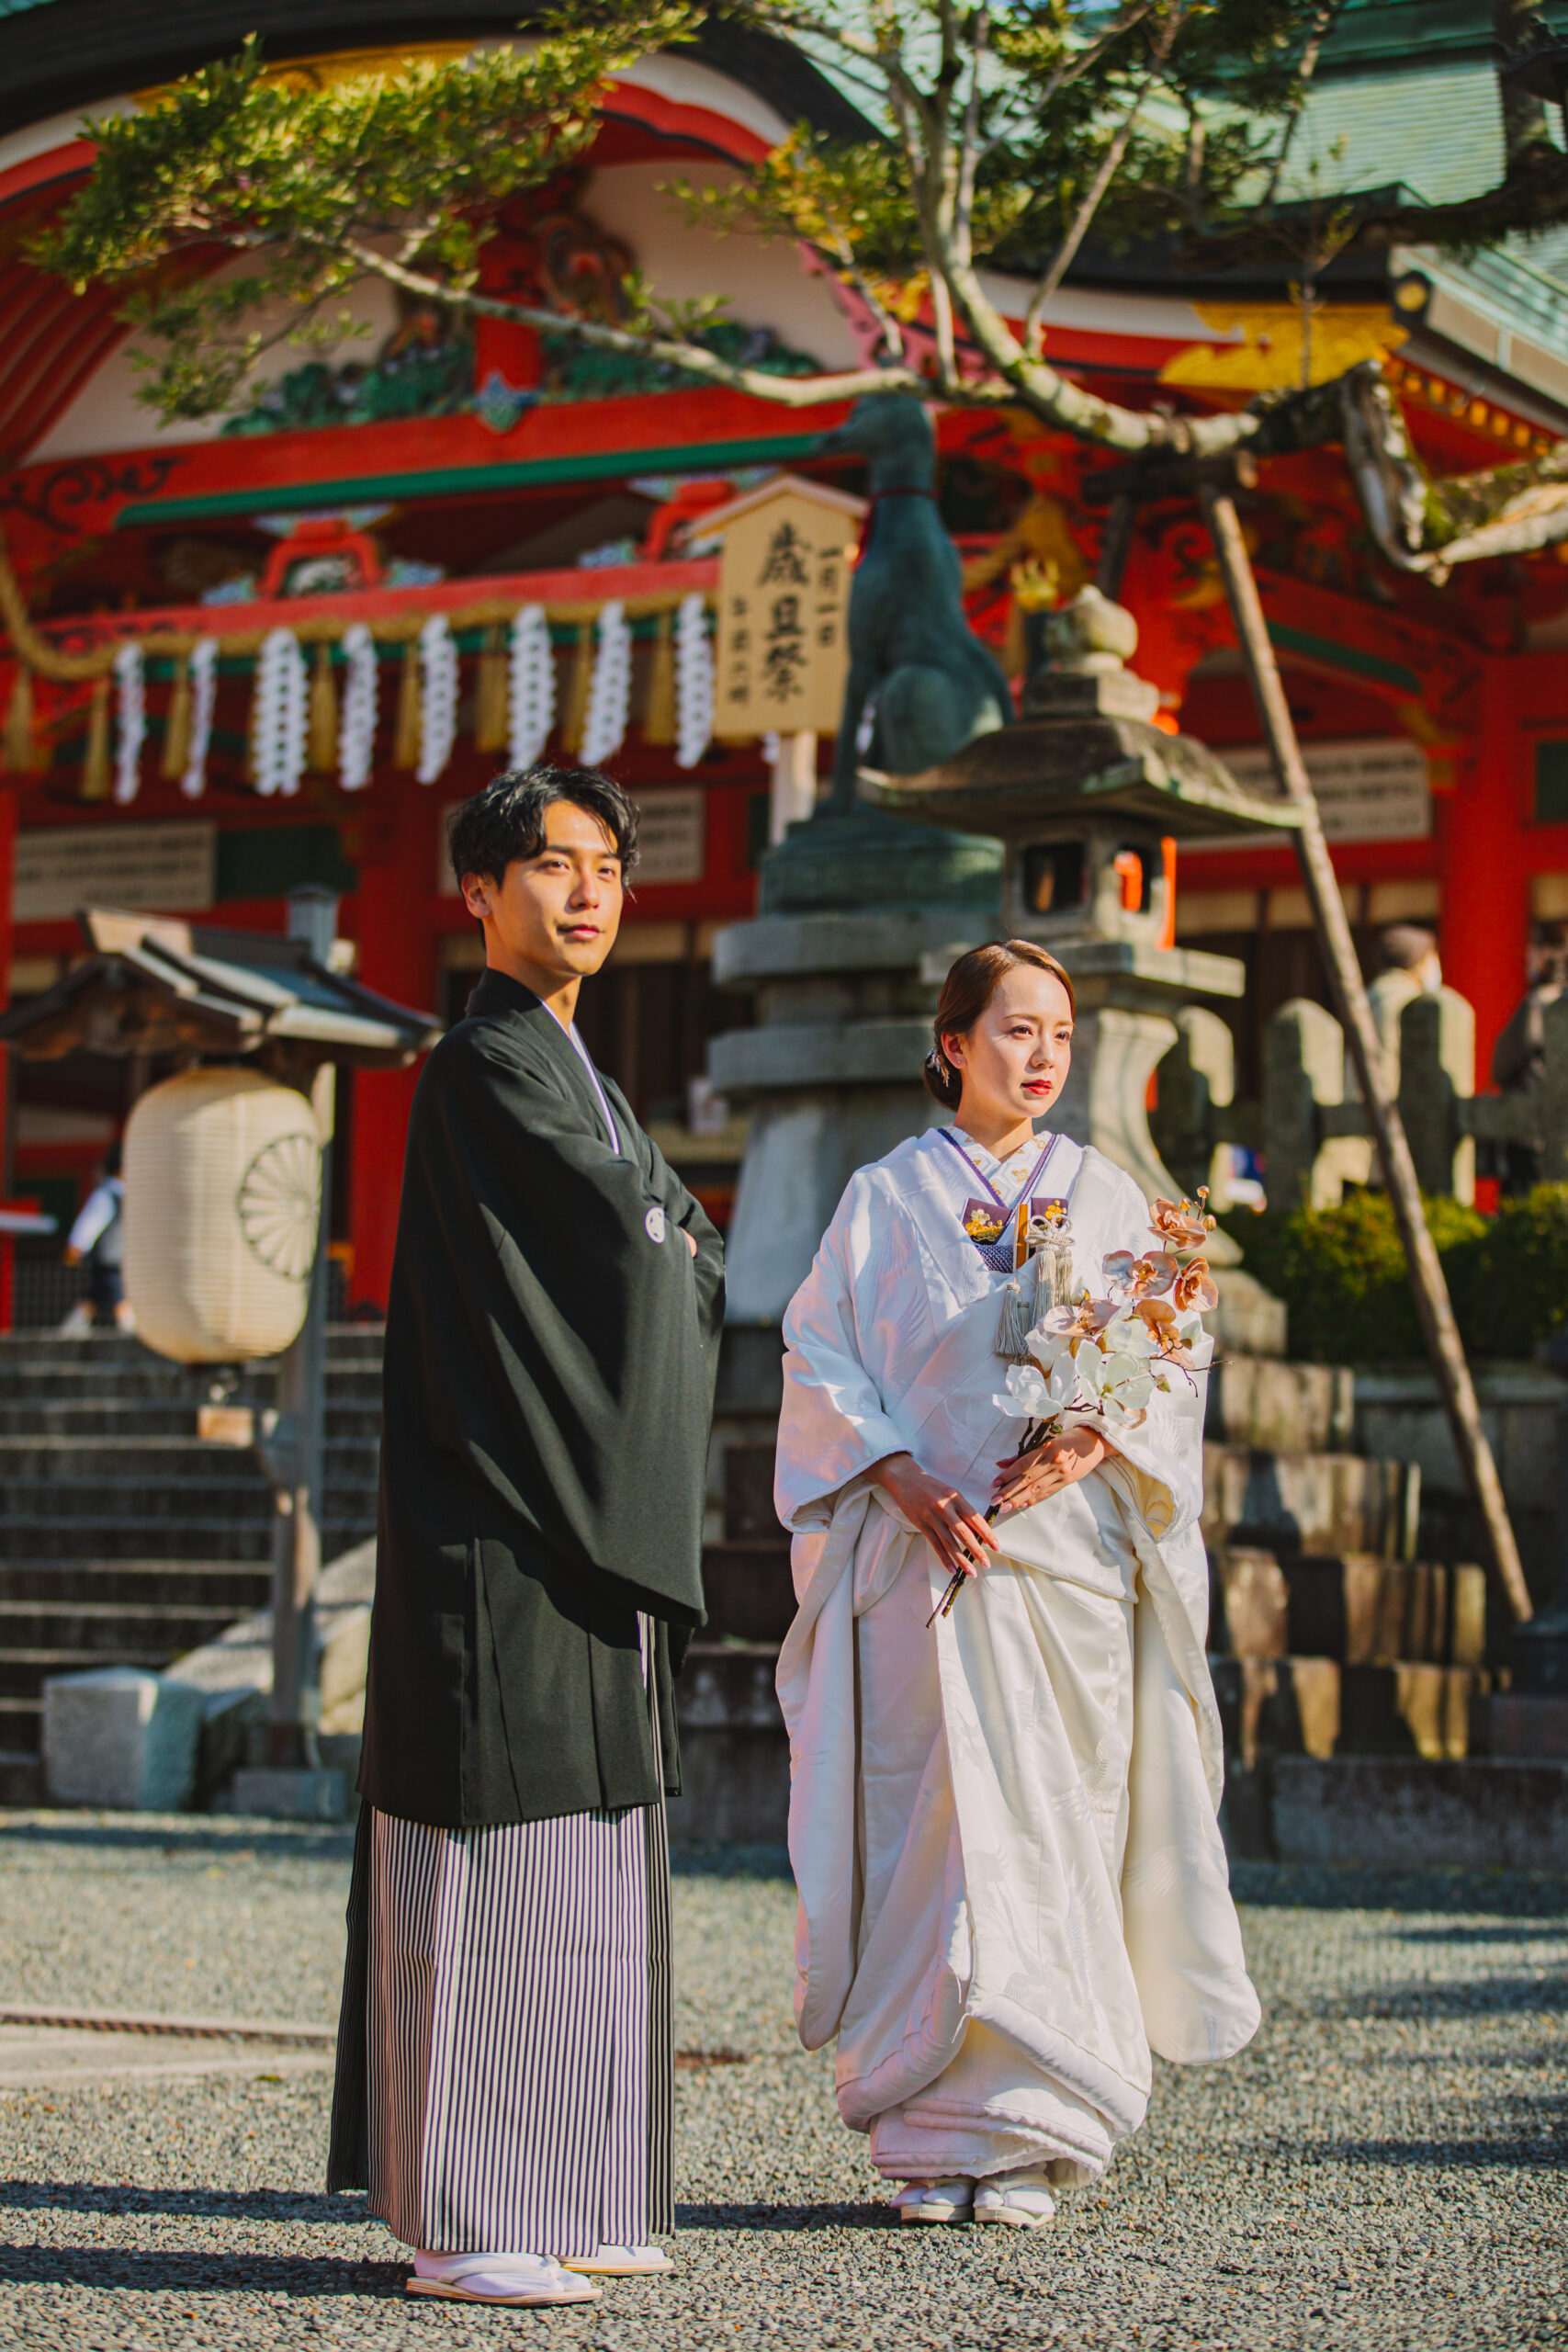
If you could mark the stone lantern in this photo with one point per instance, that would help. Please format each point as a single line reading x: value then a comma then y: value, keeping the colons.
x: 1090, y: 800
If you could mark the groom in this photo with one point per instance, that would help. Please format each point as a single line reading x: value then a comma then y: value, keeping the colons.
x: 504, y: 2057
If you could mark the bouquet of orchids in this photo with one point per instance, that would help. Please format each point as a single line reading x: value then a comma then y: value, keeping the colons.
x: 1096, y: 1364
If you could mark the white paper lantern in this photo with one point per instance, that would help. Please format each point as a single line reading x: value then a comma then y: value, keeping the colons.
x: 222, y: 1201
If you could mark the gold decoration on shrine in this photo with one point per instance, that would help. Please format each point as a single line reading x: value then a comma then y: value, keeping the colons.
x: 1268, y: 356
x: 21, y: 742
x: 580, y: 688
x: 322, y: 733
x: 658, y: 713
x: 177, y: 726
x: 95, y: 760
x: 492, y: 693
x: 405, y: 735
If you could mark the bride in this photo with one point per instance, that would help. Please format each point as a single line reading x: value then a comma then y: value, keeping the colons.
x: 1002, y: 1820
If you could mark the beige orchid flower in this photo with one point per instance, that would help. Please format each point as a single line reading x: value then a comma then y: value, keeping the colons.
x: 1195, y: 1288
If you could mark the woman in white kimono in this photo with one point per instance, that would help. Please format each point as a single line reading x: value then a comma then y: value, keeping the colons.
x: 1002, y: 1822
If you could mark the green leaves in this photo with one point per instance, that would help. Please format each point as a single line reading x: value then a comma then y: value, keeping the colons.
x: 295, y: 180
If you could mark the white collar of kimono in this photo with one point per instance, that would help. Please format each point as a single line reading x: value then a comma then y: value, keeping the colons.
x: 1004, y: 1175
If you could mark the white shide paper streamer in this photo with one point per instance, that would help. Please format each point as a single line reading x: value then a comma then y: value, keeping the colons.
x: 438, y: 697
x: 277, y: 741
x: 203, y: 697
x: 130, y: 715
x: 356, y: 722
x: 609, y: 697
x: 531, y: 687
x: 694, y: 682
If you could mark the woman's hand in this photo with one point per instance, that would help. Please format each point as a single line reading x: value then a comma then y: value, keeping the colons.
x: 959, y: 1537
x: 1025, y: 1478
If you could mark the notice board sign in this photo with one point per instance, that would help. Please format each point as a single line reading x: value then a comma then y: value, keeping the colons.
x: 146, y: 870
x: 1369, y: 788
x: 784, y: 593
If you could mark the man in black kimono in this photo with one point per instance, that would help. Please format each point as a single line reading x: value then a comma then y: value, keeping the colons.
x: 552, y: 1332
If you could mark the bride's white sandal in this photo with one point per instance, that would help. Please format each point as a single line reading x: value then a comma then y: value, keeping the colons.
x: 935, y: 2200
x: 1023, y: 2199
x: 497, y: 2279
x: 620, y: 2262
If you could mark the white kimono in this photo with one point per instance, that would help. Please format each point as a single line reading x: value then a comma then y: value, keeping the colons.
x: 1003, y: 1830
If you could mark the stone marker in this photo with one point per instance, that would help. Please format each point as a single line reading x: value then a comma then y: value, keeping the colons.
x: 120, y: 1738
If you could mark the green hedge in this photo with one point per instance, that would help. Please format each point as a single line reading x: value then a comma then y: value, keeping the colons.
x: 1342, y: 1273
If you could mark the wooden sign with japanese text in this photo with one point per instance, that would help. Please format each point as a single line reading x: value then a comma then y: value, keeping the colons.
x: 784, y: 589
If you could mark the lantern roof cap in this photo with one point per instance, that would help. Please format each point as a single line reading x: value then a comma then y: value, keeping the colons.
x: 152, y: 985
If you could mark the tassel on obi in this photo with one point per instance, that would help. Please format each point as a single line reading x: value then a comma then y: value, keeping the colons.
x: 1042, y: 1281
x: 1017, y: 1319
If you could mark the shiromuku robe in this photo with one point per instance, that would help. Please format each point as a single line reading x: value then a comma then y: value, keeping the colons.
x: 1003, y: 1830
x: 505, y: 2050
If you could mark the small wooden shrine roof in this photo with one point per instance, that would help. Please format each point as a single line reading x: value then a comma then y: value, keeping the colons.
x: 157, y: 987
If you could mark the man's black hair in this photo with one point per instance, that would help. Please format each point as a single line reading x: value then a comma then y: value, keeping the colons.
x: 507, y: 819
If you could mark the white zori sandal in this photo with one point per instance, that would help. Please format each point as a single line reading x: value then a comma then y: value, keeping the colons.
x: 620, y: 2261
x: 935, y: 2200
x: 497, y: 2279
x: 1022, y: 2198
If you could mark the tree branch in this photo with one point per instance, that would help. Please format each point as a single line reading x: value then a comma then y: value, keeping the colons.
x: 784, y: 391
x: 1066, y: 252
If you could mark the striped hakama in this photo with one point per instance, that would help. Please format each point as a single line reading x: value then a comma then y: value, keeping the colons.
x: 505, y: 2077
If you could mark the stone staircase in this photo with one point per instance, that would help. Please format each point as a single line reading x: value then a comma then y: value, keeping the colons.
x: 124, y: 1539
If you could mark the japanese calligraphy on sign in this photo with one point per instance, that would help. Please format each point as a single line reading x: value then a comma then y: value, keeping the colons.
x: 784, y: 587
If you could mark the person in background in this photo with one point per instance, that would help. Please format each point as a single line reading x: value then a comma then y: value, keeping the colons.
x: 1518, y: 1058
x: 98, y: 1242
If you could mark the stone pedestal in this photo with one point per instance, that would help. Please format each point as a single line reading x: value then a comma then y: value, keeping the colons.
x: 861, y: 917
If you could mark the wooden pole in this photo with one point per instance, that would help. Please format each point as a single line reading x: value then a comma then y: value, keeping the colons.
x: 1431, y: 1291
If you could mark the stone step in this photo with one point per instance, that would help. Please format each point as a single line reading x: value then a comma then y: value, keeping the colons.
x: 108, y: 1628
x: 220, y: 1540
x: 1353, y: 1607
x: 748, y: 1589
x: 1314, y: 1706
x: 1308, y: 1503
x: 180, y: 1583
x: 1280, y: 1407
x: 107, y: 1347
x: 84, y: 1462
x: 151, y: 1418
x: 734, y: 1748
x: 21, y: 1725
x: 21, y: 1778
x: 1395, y: 1814
x: 24, y: 1672
x: 749, y: 1513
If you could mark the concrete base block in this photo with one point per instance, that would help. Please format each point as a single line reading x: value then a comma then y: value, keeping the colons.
x: 119, y: 1738
x: 1249, y: 1320
x: 1521, y: 1723
x: 1389, y: 1812
x: 1286, y: 1407
x: 298, y: 1795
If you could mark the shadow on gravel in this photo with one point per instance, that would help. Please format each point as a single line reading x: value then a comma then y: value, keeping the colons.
x: 784, y: 2218
x: 231, y: 2272
x: 1469, y: 2156
x: 208, y: 2204
x: 201, y: 1834
x: 731, y: 1862
x: 1472, y: 1997
x: 1477, y: 1931
x: 1288, y: 1887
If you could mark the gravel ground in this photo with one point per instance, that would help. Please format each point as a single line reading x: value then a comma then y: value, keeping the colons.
x: 1384, y: 2168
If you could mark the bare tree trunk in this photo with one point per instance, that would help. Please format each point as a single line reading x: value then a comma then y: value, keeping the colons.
x: 1432, y: 1303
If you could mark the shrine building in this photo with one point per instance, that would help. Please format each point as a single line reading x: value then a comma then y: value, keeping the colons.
x: 389, y: 539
